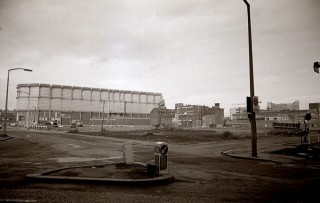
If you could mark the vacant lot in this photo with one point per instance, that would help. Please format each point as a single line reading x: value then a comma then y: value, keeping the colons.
x: 196, y: 160
x: 182, y: 136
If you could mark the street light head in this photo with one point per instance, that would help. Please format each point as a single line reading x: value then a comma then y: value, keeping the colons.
x: 245, y: 1
x: 25, y: 69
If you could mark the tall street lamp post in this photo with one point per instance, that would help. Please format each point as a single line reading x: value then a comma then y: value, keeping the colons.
x: 253, y: 116
x: 6, y: 107
x: 104, y: 101
x: 34, y: 115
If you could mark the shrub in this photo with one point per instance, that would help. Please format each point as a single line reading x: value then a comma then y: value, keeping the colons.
x: 227, y: 134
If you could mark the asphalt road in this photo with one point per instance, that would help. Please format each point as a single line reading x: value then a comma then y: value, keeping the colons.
x: 203, y: 173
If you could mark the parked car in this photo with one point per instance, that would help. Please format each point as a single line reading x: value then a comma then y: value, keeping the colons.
x: 13, y: 124
x: 54, y: 123
x: 0, y: 126
x: 79, y: 124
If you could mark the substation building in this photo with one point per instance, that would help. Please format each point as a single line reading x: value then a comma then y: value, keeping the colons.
x: 41, y: 103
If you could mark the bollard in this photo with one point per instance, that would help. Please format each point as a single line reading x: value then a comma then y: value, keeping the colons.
x: 161, y: 157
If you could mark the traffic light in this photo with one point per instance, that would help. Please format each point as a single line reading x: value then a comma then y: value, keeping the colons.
x: 249, y: 105
x: 316, y: 67
x: 255, y: 102
x: 252, y: 103
x: 307, y: 116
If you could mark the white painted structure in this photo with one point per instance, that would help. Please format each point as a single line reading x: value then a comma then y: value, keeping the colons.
x: 55, y: 102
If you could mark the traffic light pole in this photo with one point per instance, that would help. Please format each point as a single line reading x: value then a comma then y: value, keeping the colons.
x: 253, y: 116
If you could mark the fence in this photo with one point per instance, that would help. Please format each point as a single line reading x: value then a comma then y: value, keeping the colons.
x: 36, y: 127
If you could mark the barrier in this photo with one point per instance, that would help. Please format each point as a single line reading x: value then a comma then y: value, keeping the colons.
x: 36, y: 127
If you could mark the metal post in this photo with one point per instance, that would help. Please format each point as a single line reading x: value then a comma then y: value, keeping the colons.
x: 253, y: 116
x: 6, y: 108
x: 28, y: 111
x: 102, y: 116
x: 28, y: 115
x: 34, y: 115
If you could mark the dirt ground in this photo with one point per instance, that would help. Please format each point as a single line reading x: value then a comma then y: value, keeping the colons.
x: 178, y: 136
x: 202, y: 172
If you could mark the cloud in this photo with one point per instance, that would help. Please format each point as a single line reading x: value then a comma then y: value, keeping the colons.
x: 191, y: 51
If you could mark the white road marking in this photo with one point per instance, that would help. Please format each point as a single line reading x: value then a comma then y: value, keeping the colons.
x: 17, y: 200
x: 74, y: 145
x: 89, y: 143
x: 82, y: 159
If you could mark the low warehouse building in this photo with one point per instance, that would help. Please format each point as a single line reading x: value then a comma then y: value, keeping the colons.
x: 41, y: 103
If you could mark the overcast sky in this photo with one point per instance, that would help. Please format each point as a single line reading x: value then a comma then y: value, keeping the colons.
x: 191, y: 51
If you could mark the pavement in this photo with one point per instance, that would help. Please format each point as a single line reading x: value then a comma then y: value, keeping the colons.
x: 264, y: 154
x: 4, y: 137
x: 277, y: 154
x: 119, y: 177
x: 92, y: 176
x: 49, y: 175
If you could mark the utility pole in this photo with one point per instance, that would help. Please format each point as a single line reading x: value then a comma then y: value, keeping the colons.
x: 253, y: 116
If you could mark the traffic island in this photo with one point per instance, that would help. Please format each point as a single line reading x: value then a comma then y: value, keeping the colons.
x: 4, y: 137
x: 127, y: 172
x: 110, y: 173
x: 309, y: 151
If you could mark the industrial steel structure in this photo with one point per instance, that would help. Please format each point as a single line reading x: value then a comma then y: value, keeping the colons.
x: 40, y: 103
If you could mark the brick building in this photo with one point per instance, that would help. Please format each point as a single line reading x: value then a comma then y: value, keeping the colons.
x: 198, y: 116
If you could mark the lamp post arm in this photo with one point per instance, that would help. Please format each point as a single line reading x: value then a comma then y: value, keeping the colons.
x: 25, y: 69
x: 245, y: 1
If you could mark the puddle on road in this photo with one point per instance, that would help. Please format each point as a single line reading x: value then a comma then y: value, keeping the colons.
x: 81, y: 159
